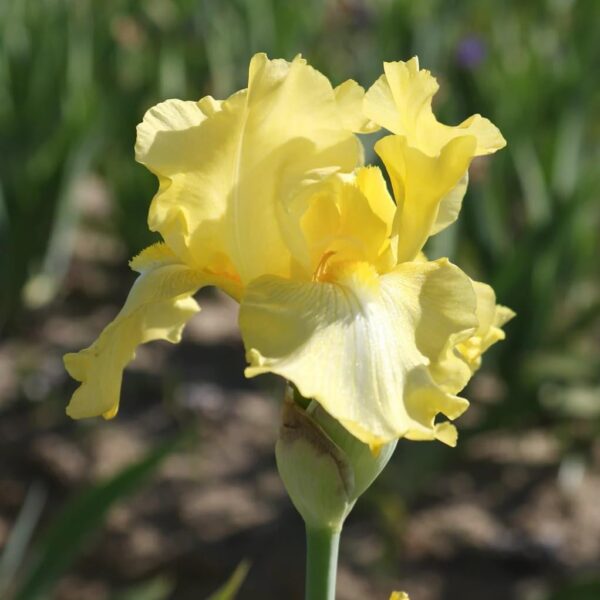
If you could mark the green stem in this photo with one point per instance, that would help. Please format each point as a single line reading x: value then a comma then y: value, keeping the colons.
x: 322, y: 547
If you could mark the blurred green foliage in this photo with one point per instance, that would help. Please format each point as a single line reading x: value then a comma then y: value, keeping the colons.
x: 80, y: 519
x: 30, y: 571
x: 230, y: 588
x: 578, y: 590
x: 76, y: 77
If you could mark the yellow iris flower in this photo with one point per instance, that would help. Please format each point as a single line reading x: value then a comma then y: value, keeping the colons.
x: 265, y: 195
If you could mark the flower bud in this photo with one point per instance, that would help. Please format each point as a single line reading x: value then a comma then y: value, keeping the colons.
x: 323, y: 467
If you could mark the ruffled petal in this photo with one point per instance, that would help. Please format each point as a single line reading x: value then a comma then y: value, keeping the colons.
x: 401, y: 100
x: 349, y: 96
x: 455, y: 365
x: 336, y: 217
x: 339, y: 225
x: 401, y: 97
x: 492, y: 317
x: 158, y: 306
x: 226, y: 168
x: 357, y: 345
x: 421, y: 183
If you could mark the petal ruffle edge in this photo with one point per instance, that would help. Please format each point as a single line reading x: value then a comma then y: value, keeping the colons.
x: 358, y: 346
x: 226, y: 169
x: 158, y: 306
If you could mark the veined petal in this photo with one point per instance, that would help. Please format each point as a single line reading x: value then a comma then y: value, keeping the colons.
x: 226, y: 168
x: 421, y: 183
x: 158, y: 306
x: 154, y: 256
x: 349, y: 96
x: 400, y: 100
x: 357, y: 345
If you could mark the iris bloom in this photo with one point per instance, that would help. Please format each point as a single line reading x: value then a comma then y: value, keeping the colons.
x: 265, y: 196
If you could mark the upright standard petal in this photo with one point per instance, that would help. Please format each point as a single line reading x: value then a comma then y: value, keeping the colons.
x: 371, y: 183
x: 340, y: 225
x: 339, y: 217
x: 450, y: 205
x: 159, y: 305
x: 226, y: 168
x: 354, y: 344
x: 400, y: 100
x: 420, y: 183
x: 349, y: 96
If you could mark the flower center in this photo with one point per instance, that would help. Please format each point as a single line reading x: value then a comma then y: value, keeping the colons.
x: 321, y: 270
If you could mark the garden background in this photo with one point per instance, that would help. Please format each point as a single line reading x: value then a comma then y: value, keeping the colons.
x: 166, y: 500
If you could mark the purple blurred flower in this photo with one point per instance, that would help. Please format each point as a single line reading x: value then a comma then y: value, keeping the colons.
x: 471, y: 52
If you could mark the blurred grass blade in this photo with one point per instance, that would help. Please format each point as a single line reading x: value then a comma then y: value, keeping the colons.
x: 533, y: 182
x: 172, y: 76
x: 3, y: 213
x: 220, y: 49
x: 43, y: 285
x: 82, y: 517
x: 584, y: 321
x: 261, y: 25
x: 158, y: 588
x: 567, y: 156
x: 20, y: 536
x: 4, y: 255
x: 234, y: 583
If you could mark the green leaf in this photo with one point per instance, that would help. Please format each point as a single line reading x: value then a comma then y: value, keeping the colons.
x: 80, y: 519
x: 231, y: 588
x: 578, y: 590
x: 20, y: 536
x: 157, y: 588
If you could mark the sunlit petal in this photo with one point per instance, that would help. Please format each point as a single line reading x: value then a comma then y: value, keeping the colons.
x: 340, y: 225
x: 491, y: 317
x: 349, y: 96
x: 158, y: 306
x: 420, y: 184
x: 450, y: 205
x: 455, y: 365
x: 358, y: 345
x: 226, y: 168
x: 400, y: 101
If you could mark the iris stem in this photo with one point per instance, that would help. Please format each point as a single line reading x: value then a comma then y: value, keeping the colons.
x: 322, y: 547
